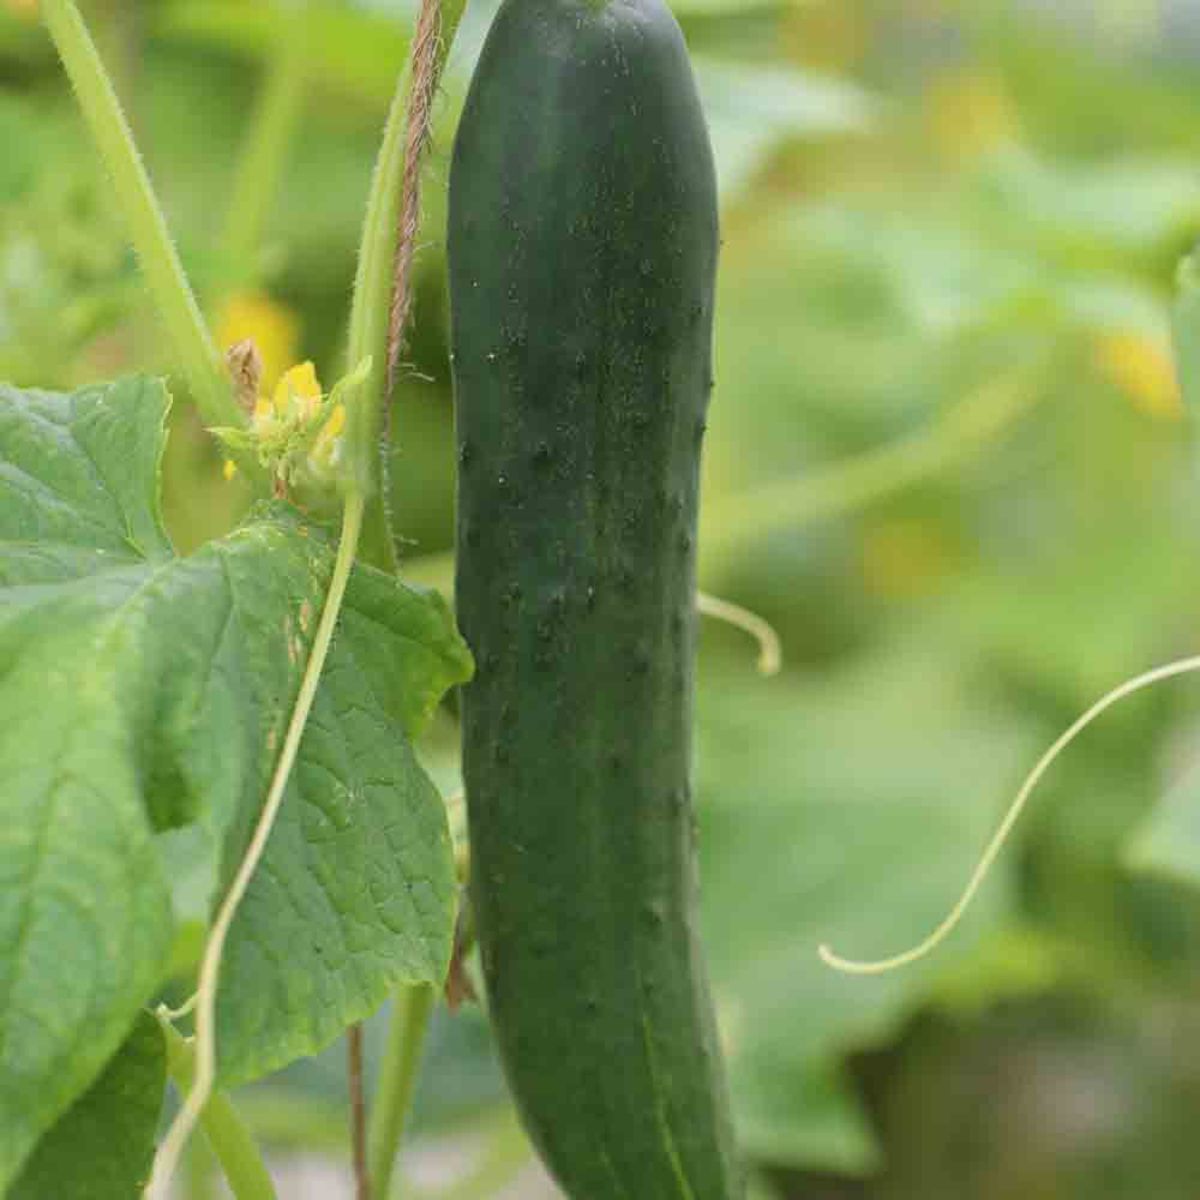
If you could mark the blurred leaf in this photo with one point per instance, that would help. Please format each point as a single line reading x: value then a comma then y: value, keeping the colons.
x: 829, y: 817
x: 1168, y: 842
x: 460, y: 1084
x: 943, y: 275
x: 1186, y: 327
x: 102, y: 1146
x: 19, y: 138
x: 1124, y: 207
x: 751, y: 108
x: 806, y: 1117
x: 356, y: 53
x: 1072, y: 626
x: 1006, y: 964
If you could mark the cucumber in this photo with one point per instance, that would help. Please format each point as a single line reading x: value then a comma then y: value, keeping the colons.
x: 582, y: 250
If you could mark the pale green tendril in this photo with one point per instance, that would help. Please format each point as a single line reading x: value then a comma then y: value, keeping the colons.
x: 770, y: 648
x: 881, y: 966
x: 210, y: 966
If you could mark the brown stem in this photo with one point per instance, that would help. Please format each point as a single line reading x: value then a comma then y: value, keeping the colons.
x: 358, y: 1112
x: 426, y: 71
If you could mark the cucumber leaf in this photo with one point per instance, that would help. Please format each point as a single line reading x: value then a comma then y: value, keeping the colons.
x: 143, y: 698
x: 824, y: 819
x: 356, y: 891
x: 103, y: 1145
x: 84, y: 904
x: 752, y: 108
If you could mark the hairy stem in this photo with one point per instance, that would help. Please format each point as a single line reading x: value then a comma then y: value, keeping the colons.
x: 193, y: 346
x: 427, y: 59
x: 223, y: 1128
x: 210, y: 965
x: 383, y: 285
x: 411, y: 1011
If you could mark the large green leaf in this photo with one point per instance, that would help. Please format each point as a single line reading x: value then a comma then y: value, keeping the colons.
x: 138, y: 691
x: 102, y: 1147
x: 405, y: 644
x: 80, y: 476
x: 847, y: 811
x: 752, y: 108
x: 356, y: 891
x: 1122, y: 207
x: 84, y: 906
x: 143, y: 699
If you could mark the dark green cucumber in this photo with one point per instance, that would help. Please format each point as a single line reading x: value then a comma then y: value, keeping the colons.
x: 583, y: 246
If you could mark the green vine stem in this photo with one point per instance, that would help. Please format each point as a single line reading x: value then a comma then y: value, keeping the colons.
x: 210, y: 965
x: 228, y: 1136
x: 264, y: 152
x: 195, y: 352
x: 382, y: 288
x: 199, y: 1172
x: 412, y: 1009
x: 368, y: 329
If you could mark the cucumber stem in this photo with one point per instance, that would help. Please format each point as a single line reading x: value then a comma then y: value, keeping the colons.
x: 194, y: 349
x: 358, y: 1112
x: 223, y: 1128
x: 383, y: 285
x: 411, y: 1012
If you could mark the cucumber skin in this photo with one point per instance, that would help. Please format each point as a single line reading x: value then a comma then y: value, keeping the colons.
x: 582, y: 250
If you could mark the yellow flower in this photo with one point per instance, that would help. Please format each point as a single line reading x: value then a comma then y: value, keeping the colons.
x: 829, y: 36
x: 1142, y: 367
x: 297, y: 434
x: 326, y: 448
x: 298, y: 393
x: 24, y: 10
x: 904, y: 557
x: 970, y: 113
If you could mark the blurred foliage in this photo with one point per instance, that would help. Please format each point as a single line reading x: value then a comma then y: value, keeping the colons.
x: 921, y: 198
